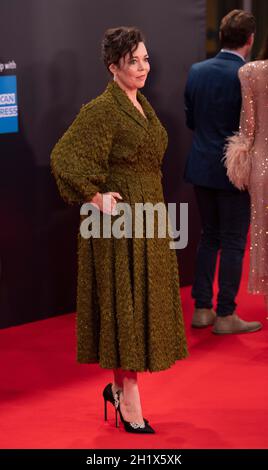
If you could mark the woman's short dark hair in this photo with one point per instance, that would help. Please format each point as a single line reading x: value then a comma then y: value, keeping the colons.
x: 236, y: 28
x: 263, y: 55
x: 118, y: 42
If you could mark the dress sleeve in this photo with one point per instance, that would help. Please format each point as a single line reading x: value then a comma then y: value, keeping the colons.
x: 247, y: 117
x: 238, y: 150
x: 79, y: 160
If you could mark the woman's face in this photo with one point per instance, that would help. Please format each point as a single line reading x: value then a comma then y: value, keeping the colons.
x: 132, y: 71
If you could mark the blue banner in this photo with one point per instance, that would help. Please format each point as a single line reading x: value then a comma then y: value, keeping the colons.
x: 8, y: 104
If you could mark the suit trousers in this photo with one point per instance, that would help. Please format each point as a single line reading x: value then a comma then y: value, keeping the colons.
x: 225, y: 218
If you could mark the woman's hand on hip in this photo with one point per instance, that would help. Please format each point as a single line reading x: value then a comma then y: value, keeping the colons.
x: 106, y: 202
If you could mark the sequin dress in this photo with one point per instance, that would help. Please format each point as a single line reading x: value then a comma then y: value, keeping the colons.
x: 254, y: 130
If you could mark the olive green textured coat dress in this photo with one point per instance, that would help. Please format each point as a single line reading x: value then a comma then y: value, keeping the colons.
x: 128, y: 304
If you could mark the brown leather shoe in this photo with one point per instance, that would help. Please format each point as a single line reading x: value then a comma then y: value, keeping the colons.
x: 203, y: 317
x: 232, y: 324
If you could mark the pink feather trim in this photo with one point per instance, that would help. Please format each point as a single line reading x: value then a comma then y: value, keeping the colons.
x: 237, y: 160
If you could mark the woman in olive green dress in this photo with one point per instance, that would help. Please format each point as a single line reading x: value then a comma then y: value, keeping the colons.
x: 129, y: 316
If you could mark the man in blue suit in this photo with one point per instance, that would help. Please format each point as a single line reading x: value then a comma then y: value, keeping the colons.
x: 213, y: 104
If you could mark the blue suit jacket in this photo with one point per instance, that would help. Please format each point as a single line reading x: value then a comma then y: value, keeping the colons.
x: 212, y: 105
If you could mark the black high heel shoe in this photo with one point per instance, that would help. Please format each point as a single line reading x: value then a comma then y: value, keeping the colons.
x: 136, y: 428
x: 109, y: 396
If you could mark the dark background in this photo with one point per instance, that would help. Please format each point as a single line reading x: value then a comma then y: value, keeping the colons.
x: 56, y: 46
x: 216, y: 9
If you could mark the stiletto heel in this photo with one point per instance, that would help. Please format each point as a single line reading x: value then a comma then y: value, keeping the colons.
x: 136, y: 428
x: 105, y: 410
x: 116, y: 418
x: 107, y: 396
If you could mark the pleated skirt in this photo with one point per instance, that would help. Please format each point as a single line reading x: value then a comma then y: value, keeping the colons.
x: 129, y: 311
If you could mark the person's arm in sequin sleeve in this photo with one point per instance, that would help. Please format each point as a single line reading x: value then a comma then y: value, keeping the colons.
x: 238, y: 150
x: 247, y: 116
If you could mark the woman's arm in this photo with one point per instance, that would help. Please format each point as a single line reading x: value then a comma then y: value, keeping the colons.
x: 79, y: 161
x: 247, y: 116
x: 238, y: 151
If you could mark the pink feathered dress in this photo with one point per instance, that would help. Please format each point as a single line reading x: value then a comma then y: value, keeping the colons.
x: 252, y: 140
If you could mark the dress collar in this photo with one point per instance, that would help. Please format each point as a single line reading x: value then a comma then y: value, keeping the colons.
x: 128, y: 107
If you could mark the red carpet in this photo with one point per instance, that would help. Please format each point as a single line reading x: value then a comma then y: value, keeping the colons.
x: 217, y: 398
